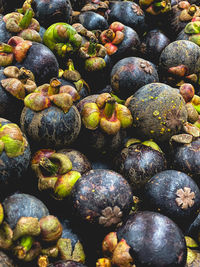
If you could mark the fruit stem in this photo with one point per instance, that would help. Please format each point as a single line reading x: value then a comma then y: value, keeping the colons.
x: 70, y: 65
x: 54, y: 87
x: 48, y: 165
x: 25, y: 245
x: 26, y: 20
x: 109, y: 107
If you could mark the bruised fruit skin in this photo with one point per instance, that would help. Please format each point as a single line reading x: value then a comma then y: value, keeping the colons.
x: 14, y: 154
x: 131, y: 73
x: 102, y: 198
x: 18, y: 205
x: 147, y: 226
x: 158, y: 111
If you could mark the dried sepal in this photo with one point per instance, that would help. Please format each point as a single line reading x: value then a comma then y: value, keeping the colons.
x: 14, y: 87
x: 124, y: 115
x: 121, y: 256
x: 6, y: 236
x: 51, y: 228
x: 191, y: 129
x: 111, y: 127
x: 63, y: 101
x: 101, y: 99
x: 185, y: 198
x: 90, y: 116
x: 71, y: 91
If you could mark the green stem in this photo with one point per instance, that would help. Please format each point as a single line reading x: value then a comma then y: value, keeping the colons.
x: 26, y: 20
x: 54, y: 87
x: 118, y: 100
x: 109, y: 107
x: 5, y: 48
x: 48, y: 165
x: 70, y: 65
x: 24, y: 246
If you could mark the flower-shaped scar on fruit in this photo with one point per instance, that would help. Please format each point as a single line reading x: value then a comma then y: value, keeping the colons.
x: 112, y: 37
x: 155, y: 7
x: 54, y: 172
x: 62, y: 39
x: 12, y: 140
x: 107, y: 114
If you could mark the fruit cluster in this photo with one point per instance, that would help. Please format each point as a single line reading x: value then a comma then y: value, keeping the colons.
x: 99, y: 133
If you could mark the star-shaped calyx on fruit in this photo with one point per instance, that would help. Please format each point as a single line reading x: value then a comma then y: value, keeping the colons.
x: 173, y: 119
x: 185, y: 198
x: 110, y: 216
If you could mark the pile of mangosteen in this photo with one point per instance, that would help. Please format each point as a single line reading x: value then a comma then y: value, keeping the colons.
x: 100, y: 133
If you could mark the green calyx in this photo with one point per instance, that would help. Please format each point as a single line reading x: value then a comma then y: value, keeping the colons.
x: 192, y: 27
x: 11, y: 140
x: 94, y: 64
x: 150, y: 143
x: 62, y: 38
x: 1, y: 213
x: 65, y: 184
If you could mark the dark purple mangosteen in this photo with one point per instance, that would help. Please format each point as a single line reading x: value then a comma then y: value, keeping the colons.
x: 179, y: 62
x: 131, y: 73
x: 174, y: 194
x: 48, y: 12
x: 128, y: 13
x: 6, y: 260
x: 7, y: 6
x: 139, y: 161
x: 67, y: 264
x: 93, y: 21
x: 20, y: 205
x: 14, y: 156
x: 147, y: 239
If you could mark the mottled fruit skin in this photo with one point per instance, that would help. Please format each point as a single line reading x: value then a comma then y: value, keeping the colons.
x: 128, y: 13
x: 98, y: 190
x: 158, y: 112
x: 155, y: 240
x: 185, y: 158
x: 161, y: 193
x: 42, y: 62
x: 131, y: 73
x: 6, y: 261
x: 138, y: 163
x: 48, y: 12
x: 93, y: 21
x: 23, y: 205
x: 51, y: 127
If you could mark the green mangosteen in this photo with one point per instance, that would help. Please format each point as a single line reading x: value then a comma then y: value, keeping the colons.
x: 159, y: 112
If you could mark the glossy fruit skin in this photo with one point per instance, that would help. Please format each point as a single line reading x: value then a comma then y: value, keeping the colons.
x: 52, y: 11
x: 42, y: 62
x: 110, y: 190
x: 157, y: 100
x: 51, y: 127
x: 10, y: 107
x: 153, y: 43
x: 161, y: 192
x: 142, y: 232
x: 128, y: 13
x: 20, y: 205
x: 93, y: 21
x: 138, y: 163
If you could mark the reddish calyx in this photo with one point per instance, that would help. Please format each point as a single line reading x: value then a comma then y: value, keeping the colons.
x: 112, y: 37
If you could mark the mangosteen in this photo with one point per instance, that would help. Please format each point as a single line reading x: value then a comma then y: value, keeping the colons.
x: 15, y: 156
x: 101, y: 198
x: 93, y: 21
x: 131, y: 73
x: 120, y: 41
x: 174, y: 194
x: 49, y: 118
x: 139, y: 161
x: 52, y: 11
x: 179, y: 63
x: 152, y: 44
x: 128, y: 13
x: 104, y: 124
x: 20, y: 205
x: 158, y: 111
x: 147, y: 239
x: 185, y: 158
